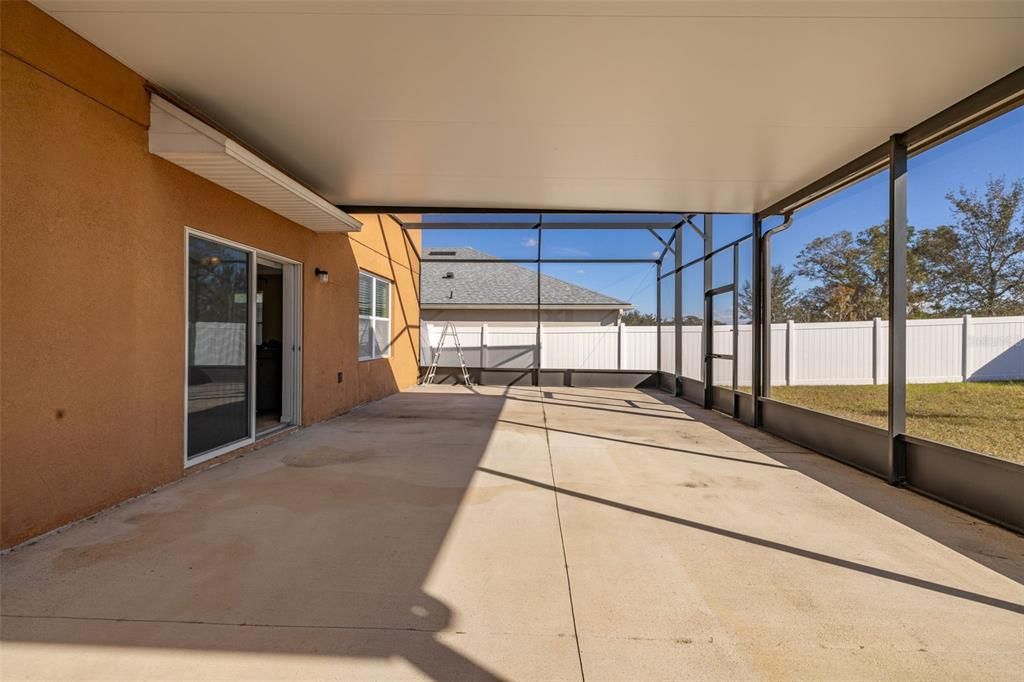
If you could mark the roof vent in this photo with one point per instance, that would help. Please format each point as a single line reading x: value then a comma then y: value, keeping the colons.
x: 448, y: 275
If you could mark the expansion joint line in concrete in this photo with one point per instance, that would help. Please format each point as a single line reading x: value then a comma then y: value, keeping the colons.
x: 561, y: 536
x: 221, y: 623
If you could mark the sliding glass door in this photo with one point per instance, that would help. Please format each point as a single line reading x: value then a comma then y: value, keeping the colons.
x: 219, y: 411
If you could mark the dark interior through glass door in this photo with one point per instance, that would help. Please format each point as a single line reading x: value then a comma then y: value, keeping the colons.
x: 218, y: 345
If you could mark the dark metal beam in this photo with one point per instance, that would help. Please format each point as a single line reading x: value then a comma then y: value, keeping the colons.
x: 529, y: 225
x: 766, y: 315
x: 689, y: 221
x: 867, y: 163
x: 657, y: 315
x: 677, y: 322
x: 984, y: 105
x: 460, y: 225
x: 602, y: 225
x: 460, y: 210
x: 756, y: 322
x: 897, y: 309
x: 735, y: 327
x: 766, y: 304
x: 707, y: 337
x: 992, y: 100
x: 431, y: 259
x: 538, y: 351
x: 724, y: 289
x: 671, y: 245
x: 714, y: 252
x: 666, y: 244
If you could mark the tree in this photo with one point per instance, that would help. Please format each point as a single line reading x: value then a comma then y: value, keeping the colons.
x: 851, y: 283
x: 784, y: 296
x: 852, y: 275
x: 669, y: 320
x: 635, y: 318
x: 976, y: 265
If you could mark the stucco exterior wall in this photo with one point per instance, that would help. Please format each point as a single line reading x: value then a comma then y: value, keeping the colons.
x: 92, y: 279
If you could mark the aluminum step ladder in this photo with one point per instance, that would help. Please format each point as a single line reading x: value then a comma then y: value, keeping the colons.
x: 448, y: 328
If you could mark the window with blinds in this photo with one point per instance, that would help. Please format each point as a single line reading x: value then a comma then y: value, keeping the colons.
x: 374, y: 317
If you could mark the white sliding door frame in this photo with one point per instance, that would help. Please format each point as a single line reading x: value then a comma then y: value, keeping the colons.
x: 291, y: 360
x: 292, y: 270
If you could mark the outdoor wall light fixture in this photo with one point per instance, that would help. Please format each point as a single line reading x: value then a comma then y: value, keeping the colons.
x: 321, y: 275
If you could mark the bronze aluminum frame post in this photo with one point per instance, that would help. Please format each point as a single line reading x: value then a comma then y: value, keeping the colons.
x: 756, y: 323
x: 897, y: 310
x: 707, y: 339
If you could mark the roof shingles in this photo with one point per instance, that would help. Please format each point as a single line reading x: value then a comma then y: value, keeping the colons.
x: 497, y: 283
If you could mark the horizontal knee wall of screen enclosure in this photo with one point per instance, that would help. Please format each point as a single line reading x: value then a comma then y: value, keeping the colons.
x: 938, y: 350
x: 981, y: 485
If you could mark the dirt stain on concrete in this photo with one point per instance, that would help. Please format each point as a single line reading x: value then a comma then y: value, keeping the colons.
x: 326, y: 455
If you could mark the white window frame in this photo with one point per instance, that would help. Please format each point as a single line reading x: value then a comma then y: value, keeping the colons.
x: 374, y: 318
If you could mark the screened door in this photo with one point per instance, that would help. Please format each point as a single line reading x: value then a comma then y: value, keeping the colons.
x: 219, y: 358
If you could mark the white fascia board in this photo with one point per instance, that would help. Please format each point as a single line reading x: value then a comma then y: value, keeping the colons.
x: 185, y: 141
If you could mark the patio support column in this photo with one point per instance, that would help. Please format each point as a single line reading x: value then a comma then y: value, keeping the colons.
x: 537, y: 351
x: 766, y: 315
x: 678, y: 312
x: 657, y: 317
x: 756, y: 322
x: 897, y: 309
x: 707, y: 339
x: 735, y: 330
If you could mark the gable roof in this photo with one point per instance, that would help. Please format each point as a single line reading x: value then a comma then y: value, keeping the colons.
x: 498, y: 284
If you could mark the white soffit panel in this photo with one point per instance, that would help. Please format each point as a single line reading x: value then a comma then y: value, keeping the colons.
x: 184, y: 140
x: 667, y: 105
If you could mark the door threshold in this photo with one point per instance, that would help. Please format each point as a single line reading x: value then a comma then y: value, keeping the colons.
x: 273, y: 431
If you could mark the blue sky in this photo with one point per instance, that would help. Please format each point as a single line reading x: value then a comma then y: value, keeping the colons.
x: 995, y: 148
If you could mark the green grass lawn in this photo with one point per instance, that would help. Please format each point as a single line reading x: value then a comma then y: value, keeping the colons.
x: 984, y: 417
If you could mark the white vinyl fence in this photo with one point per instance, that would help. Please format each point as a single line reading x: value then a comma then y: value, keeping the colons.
x: 938, y: 350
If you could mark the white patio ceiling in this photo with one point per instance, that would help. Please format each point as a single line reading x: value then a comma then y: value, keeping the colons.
x: 717, y: 106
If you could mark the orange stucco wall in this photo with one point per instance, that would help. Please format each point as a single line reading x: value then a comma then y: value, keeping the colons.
x: 92, y: 285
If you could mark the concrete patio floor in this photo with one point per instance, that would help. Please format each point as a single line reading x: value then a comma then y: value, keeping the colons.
x: 522, y: 533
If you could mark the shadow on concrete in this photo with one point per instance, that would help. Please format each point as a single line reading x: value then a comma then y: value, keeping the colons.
x: 674, y: 415
x: 976, y: 539
x: 641, y: 444
x: 319, y: 545
x: 773, y: 545
x: 323, y: 544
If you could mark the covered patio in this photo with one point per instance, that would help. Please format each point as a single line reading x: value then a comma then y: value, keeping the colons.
x: 520, y: 533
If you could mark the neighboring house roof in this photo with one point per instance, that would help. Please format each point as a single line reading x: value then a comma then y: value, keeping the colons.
x: 498, y: 284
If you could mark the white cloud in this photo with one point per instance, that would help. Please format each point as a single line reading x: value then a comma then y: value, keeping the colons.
x: 655, y: 254
x: 570, y: 251
x: 581, y: 272
x: 530, y: 242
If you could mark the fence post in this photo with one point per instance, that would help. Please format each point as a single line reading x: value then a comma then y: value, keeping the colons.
x: 790, y: 353
x: 876, y: 350
x: 618, y: 361
x: 483, y: 345
x: 965, y: 350
x: 539, y: 354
